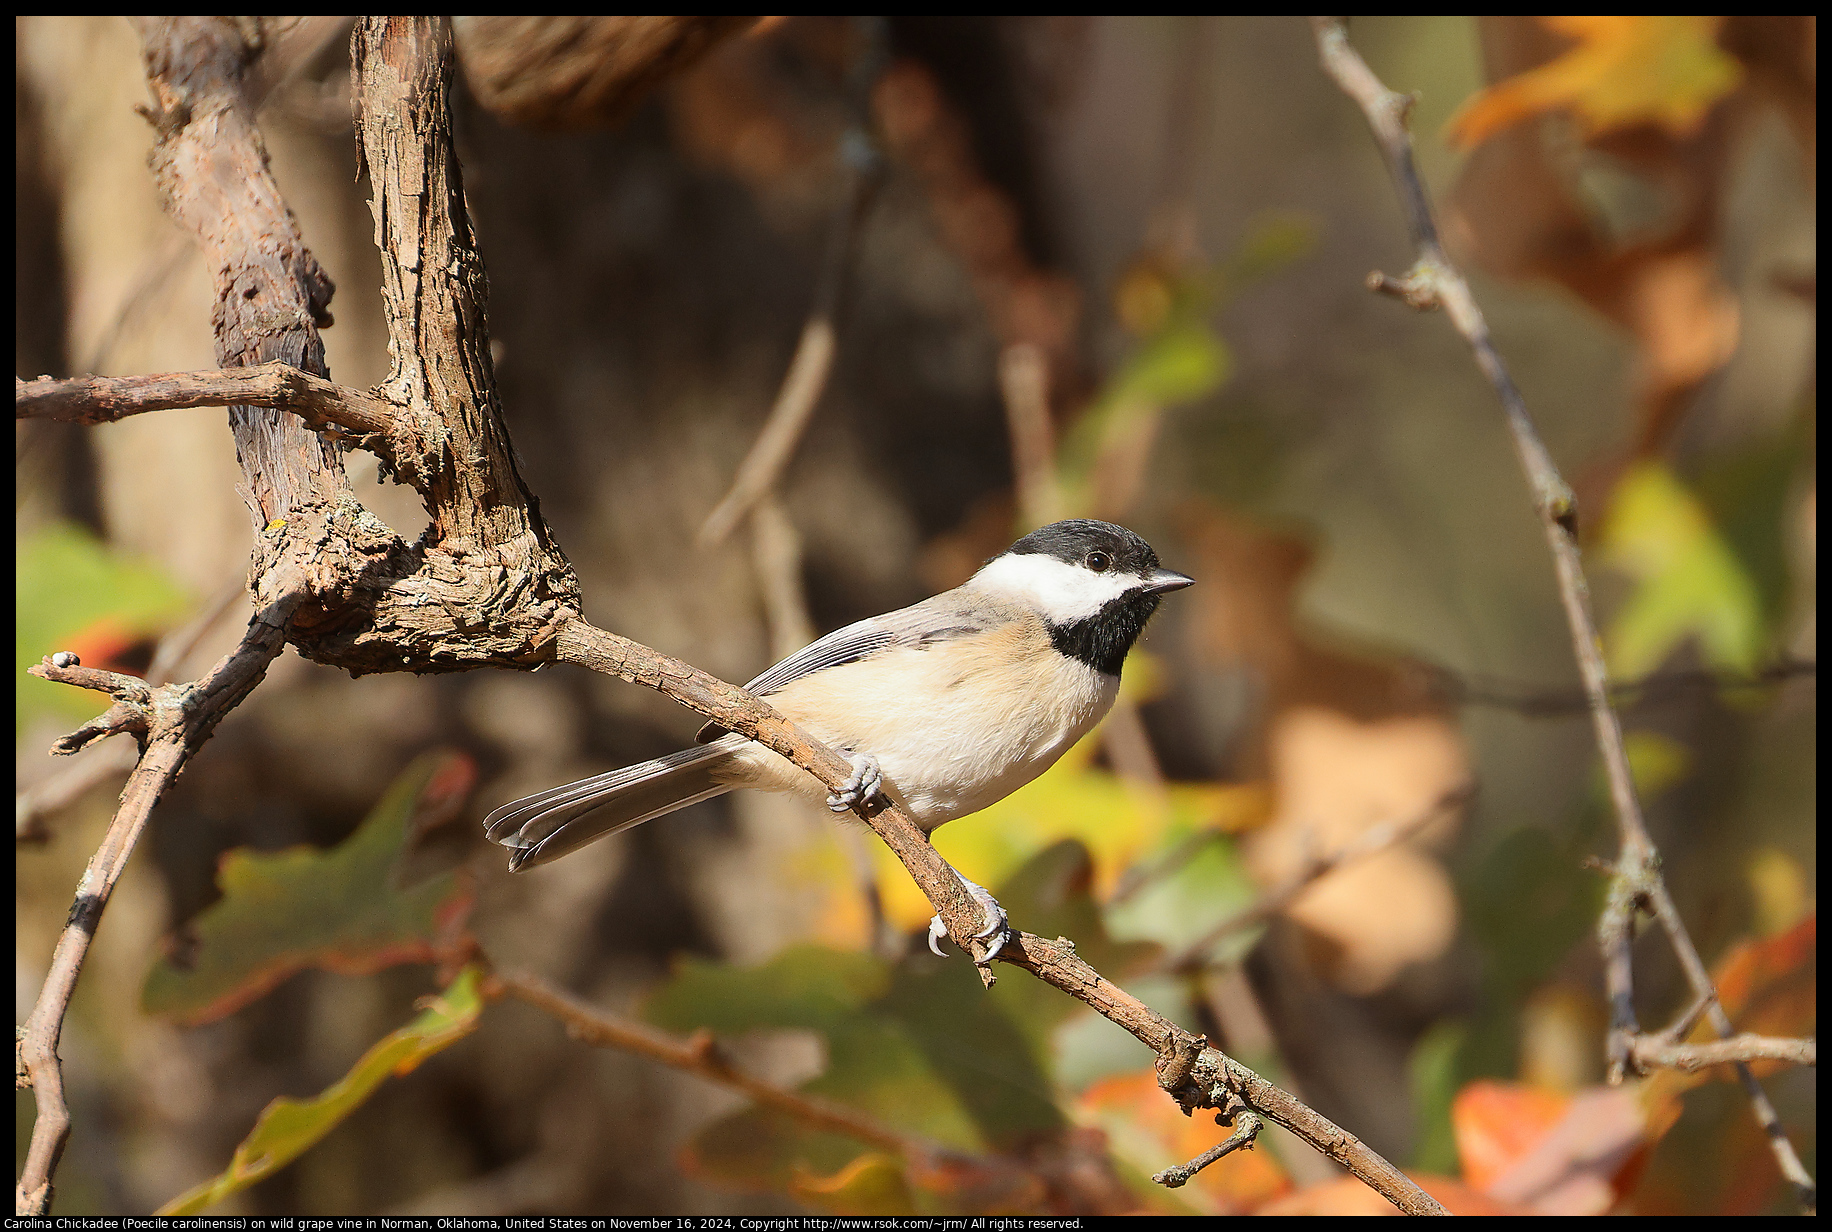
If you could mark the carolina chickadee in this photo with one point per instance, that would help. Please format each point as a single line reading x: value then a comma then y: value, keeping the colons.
x: 946, y: 706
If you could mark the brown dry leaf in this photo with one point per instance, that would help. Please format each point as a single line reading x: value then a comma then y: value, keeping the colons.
x: 1496, y: 1123
x: 1624, y: 70
x: 1348, y: 742
x: 573, y: 71
x: 1334, y: 778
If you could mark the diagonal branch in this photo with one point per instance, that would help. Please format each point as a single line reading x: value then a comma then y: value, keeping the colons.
x: 806, y: 379
x: 700, y: 1055
x: 1434, y: 282
x: 1196, y: 1075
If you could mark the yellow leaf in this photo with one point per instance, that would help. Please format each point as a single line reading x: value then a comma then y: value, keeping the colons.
x: 288, y: 1128
x: 1623, y: 71
x: 872, y: 1184
x: 1656, y: 761
x: 1690, y: 582
x: 1116, y: 820
x: 1780, y: 888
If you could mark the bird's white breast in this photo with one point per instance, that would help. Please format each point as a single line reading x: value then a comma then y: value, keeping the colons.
x: 955, y: 727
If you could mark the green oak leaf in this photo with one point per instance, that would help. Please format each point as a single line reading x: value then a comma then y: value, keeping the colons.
x: 342, y: 909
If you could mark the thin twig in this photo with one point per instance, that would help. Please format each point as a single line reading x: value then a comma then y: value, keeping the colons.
x: 701, y: 1055
x: 776, y: 550
x: 1139, y: 876
x: 178, y: 719
x: 1369, y: 842
x: 1024, y: 386
x: 63, y: 787
x: 795, y: 402
x: 1651, y: 1050
x: 807, y: 377
x: 58, y: 790
x: 1464, y: 690
x: 1246, y: 1130
x: 1213, y: 1077
x: 324, y: 405
x: 1434, y: 282
x: 1681, y: 1027
x: 1024, y: 376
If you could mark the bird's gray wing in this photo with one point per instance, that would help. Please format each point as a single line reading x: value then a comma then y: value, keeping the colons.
x: 919, y: 625
x: 847, y: 645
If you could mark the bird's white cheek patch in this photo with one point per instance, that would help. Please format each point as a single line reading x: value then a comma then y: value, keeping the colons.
x: 1063, y: 593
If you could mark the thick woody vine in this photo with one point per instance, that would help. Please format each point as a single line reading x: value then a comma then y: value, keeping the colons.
x: 486, y: 586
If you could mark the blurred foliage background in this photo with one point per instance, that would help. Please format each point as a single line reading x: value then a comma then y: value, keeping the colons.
x: 1158, y: 227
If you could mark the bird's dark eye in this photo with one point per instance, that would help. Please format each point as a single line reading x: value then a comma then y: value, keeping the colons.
x: 1100, y: 562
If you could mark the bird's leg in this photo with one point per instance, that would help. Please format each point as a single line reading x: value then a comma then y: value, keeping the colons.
x: 866, y: 781
x: 996, y: 922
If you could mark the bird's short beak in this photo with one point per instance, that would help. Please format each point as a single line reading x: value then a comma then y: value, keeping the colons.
x: 1162, y: 580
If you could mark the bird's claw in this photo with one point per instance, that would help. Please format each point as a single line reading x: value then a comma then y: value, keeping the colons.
x: 867, y: 781
x: 998, y: 927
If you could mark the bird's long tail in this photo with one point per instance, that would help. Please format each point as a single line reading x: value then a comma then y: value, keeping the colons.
x: 552, y: 823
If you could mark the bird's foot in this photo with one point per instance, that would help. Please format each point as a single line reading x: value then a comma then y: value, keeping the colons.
x: 998, y: 927
x: 867, y: 781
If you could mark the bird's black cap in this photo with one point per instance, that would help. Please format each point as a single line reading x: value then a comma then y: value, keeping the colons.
x: 1070, y: 541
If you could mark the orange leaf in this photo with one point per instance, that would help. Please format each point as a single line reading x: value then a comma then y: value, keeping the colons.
x: 1748, y: 970
x: 1551, y: 1153
x: 1146, y: 1126
x: 1623, y: 71
x: 1350, y: 1196
x: 109, y: 645
x: 1498, y: 1123
x: 1768, y: 987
